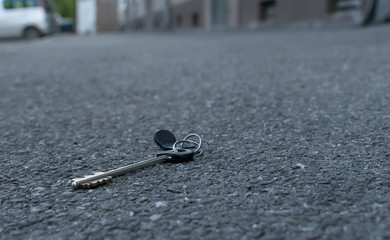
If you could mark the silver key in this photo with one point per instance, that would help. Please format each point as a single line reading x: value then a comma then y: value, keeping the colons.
x: 99, y: 178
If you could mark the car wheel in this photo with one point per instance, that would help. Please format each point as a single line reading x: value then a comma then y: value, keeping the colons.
x: 31, y: 33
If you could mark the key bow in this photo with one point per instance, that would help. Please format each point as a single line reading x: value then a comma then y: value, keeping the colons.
x: 182, y: 155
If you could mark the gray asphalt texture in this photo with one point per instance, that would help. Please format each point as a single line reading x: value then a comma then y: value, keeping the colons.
x: 295, y: 123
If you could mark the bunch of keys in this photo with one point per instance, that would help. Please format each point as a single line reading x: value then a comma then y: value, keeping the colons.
x: 174, y: 151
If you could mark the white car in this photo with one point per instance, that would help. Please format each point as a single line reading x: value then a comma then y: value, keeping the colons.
x: 26, y: 18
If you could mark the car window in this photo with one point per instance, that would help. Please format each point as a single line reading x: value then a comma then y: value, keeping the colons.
x: 18, y: 3
x: 7, y: 4
x: 31, y: 3
x: 10, y: 4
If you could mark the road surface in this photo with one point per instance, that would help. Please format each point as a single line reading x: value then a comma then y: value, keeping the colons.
x: 295, y: 123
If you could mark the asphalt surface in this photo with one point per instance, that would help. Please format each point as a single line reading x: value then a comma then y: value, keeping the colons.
x: 295, y: 123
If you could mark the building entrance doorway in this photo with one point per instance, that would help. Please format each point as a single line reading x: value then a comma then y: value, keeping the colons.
x: 267, y: 10
x: 218, y: 13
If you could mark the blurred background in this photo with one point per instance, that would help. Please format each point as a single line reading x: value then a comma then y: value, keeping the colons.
x: 34, y: 18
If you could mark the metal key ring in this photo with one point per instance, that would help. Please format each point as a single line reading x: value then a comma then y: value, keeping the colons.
x: 194, y: 135
x: 199, y: 149
x: 176, y: 149
x: 190, y: 142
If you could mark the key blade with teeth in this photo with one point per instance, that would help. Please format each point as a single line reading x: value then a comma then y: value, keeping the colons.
x: 97, y: 179
x: 165, y: 140
x: 93, y: 180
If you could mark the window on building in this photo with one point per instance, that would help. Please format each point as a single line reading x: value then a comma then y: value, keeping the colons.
x: 267, y: 10
x: 195, y: 19
x: 343, y: 5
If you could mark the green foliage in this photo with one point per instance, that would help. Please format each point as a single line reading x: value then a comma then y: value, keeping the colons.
x: 67, y: 8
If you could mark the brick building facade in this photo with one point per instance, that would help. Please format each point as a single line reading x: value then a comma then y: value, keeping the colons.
x: 211, y: 14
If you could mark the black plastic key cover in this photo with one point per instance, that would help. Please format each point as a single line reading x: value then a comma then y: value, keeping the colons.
x: 183, y: 155
x: 165, y: 139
